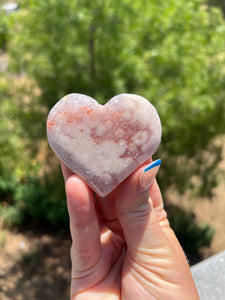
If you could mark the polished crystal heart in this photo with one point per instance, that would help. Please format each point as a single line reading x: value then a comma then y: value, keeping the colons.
x: 103, y: 144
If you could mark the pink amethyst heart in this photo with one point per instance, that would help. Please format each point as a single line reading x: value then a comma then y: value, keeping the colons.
x: 103, y: 144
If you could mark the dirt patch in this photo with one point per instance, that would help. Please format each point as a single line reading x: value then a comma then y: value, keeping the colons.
x: 213, y: 212
x: 208, y: 211
x: 34, y: 267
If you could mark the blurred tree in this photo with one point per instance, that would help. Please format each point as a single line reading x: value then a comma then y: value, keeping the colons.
x: 26, y: 192
x: 191, y: 235
x: 3, y: 30
x: 170, y: 52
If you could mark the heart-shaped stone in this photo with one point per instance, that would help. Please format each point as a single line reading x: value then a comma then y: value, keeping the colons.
x: 103, y: 144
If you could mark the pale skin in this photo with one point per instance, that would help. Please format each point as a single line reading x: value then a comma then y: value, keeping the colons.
x: 123, y: 246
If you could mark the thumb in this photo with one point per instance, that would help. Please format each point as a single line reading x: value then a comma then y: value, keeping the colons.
x: 154, y: 256
x: 136, y: 212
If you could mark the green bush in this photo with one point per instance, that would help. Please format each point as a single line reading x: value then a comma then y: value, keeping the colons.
x: 28, y: 194
x: 3, y: 30
x: 11, y: 216
x: 191, y: 235
x: 43, y: 200
x: 219, y: 3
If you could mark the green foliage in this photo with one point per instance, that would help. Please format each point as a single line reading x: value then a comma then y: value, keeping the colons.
x: 12, y: 159
x: 11, y: 216
x: 27, y: 194
x: 37, y: 202
x: 219, y: 3
x: 43, y: 199
x: 3, y: 30
x: 170, y: 52
x: 190, y: 234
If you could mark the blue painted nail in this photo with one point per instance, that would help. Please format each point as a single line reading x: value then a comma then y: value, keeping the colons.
x: 153, y: 165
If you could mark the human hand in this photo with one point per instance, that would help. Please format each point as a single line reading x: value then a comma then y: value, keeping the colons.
x: 122, y: 245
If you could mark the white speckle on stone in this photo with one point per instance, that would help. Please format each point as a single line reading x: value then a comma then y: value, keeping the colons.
x: 123, y: 143
x: 119, y: 133
x: 101, y: 130
x: 108, y: 124
x: 132, y: 147
x: 140, y: 137
x: 128, y: 114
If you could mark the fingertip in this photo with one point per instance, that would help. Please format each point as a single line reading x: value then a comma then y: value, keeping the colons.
x: 72, y: 185
x: 75, y: 185
x: 79, y: 195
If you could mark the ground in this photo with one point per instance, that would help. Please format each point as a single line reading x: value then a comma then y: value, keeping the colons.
x: 34, y: 266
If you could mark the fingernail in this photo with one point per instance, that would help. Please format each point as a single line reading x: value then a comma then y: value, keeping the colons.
x: 152, y: 165
x: 148, y: 175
